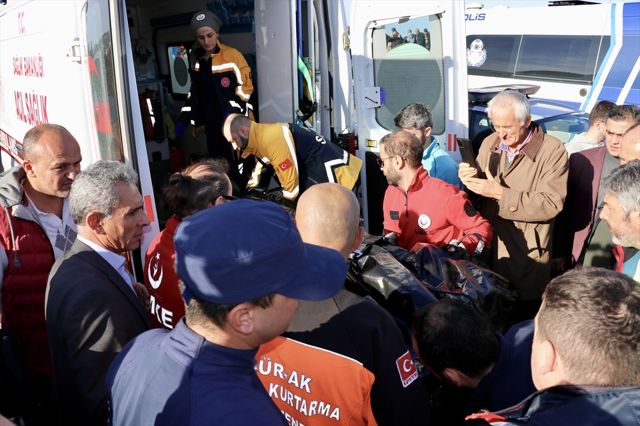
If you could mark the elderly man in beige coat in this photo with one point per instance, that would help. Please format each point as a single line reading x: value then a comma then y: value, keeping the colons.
x: 522, y: 184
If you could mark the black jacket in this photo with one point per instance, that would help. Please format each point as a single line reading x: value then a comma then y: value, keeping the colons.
x: 571, y: 405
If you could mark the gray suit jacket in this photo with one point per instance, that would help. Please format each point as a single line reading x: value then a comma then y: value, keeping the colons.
x: 91, y: 315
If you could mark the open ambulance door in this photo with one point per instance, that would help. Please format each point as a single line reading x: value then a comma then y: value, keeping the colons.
x: 400, y: 52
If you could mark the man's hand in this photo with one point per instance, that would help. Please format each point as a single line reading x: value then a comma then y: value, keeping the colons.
x: 466, y: 171
x: 143, y: 295
x: 488, y: 187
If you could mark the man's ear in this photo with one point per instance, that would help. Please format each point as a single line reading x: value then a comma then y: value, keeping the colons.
x: 243, y: 131
x: 546, y: 361
x: 240, y: 318
x: 27, y: 166
x: 455, y: 376
x: 94, y: 222
x: 427, y: 132
x: 359, y: 238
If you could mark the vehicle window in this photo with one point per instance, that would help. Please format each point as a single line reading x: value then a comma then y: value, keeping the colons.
x: 492, y: 55
x: 564, y: 127
x: 574, y: 57
x: 407, y: 59
x: 103, y: 88
x: 178, y: 57
x: 478, y: 122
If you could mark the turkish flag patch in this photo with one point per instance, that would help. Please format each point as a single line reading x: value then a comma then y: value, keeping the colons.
x: 407, y: 369
x: 285, y: 164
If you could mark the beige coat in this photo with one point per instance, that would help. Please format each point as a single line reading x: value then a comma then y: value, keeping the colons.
x: 535, y: 188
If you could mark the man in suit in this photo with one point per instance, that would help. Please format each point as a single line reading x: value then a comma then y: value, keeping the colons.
x: 92, y: 310
x: 580, y: 237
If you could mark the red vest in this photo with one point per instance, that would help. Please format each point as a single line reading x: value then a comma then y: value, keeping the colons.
x: 24, y: 285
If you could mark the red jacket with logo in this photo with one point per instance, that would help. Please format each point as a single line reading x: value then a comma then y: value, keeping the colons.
x: 160, y: 278
x: 433, y: 212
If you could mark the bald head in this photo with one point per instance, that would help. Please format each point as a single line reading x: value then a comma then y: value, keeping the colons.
x: 33, y: 142
x: 51, y: 160
x: 630, y: 145
x: 328, y: 215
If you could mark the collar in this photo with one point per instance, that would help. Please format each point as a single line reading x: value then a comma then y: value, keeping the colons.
x: 418, y: 178
x: 114, y: 259
x: 433, y: 146
x: 561, y: 395
x: 252, y: 143
x: 532, y: 147
x: 185, y: 345
x: 511, y: 154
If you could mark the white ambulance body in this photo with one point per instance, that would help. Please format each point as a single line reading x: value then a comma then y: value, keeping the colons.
x: 89, y: 65
x: 578, y: 54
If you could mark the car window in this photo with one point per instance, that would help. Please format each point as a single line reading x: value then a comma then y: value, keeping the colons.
x: 565, y: 127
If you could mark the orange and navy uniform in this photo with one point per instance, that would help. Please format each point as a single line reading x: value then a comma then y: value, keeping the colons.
x: 220, y: 85
x: 301, y: 157
x: 161, y: 280
x: 433, y: 212
x: 228, y: 77
x: 343, y: 362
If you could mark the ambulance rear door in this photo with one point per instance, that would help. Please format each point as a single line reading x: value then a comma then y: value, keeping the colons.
x: 401, y: 52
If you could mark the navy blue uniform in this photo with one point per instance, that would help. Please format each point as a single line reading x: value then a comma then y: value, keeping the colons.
x: 510, y: 380
x: 177, y: 378
x: 570, y: 405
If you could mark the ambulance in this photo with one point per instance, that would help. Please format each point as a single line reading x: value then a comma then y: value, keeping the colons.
x: 115, y: 74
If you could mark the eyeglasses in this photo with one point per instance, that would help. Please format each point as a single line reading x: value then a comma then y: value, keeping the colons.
x: 381, y: 160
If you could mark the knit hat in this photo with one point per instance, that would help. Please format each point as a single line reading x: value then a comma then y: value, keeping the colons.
x: 204, y: 18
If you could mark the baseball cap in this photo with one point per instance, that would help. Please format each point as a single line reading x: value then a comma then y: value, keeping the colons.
x: 246, y: 249
x: 204, y: 18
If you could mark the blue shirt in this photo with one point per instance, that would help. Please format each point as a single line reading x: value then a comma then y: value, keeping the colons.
x: 631, y: 267
x: 510, y: 380
x: 439, y: 164
x: 175, y: 377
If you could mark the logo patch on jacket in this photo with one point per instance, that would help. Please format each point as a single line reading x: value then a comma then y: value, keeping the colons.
x: 424, y: 221
x: 285, y: 164
x: 394, y: 214
x: 407, y: 369
x: 225, y: 82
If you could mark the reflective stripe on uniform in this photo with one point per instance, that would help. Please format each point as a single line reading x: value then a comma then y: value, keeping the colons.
x: 287, y: 137
x: 329, y: 165
x: 236, y: 70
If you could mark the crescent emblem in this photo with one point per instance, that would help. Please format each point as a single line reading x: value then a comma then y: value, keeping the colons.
x: 155, y: 265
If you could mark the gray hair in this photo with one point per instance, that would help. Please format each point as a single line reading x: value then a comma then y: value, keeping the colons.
x: 93, y: 189
x: 414, y: 115
x: 624, y: 183
x: 510, y: 99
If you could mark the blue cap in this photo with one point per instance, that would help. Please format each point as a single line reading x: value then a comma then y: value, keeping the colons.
x: 245, y: 249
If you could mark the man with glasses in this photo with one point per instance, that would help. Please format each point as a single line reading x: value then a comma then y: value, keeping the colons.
x: 522, y: 184
x: 422, y: 210
x: 581, y: 237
